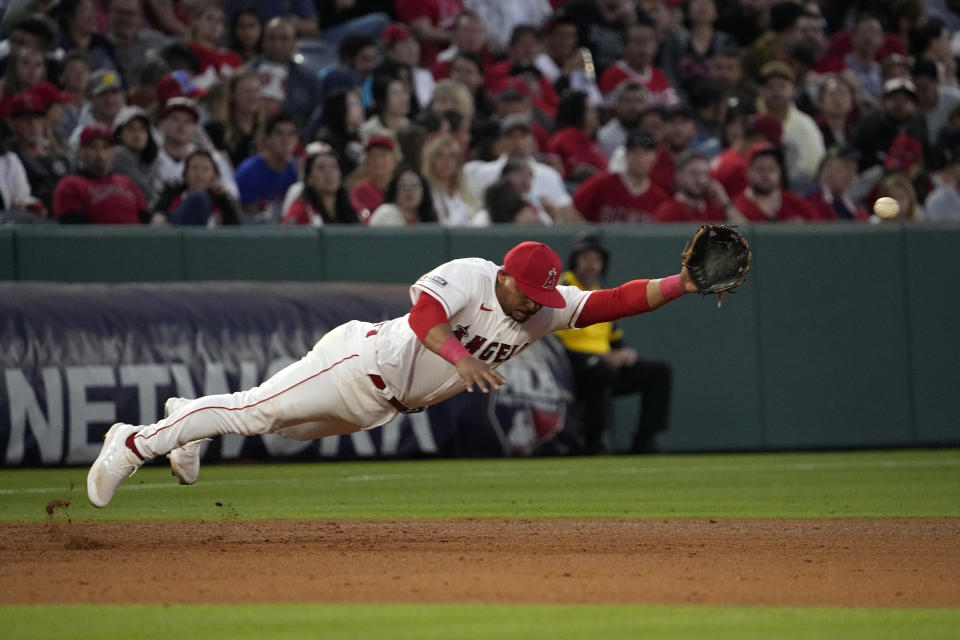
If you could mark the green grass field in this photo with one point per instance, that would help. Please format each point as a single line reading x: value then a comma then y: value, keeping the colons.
x: 897, y: 484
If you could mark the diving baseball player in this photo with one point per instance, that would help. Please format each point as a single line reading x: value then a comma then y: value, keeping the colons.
x: 468, y: 316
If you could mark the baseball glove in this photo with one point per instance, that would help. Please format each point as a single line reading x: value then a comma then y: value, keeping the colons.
x: 718, y: 259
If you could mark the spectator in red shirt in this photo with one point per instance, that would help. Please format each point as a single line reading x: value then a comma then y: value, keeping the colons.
x: 832, y: 200
x: 730, y: 167
x: 630, y: 196
x: 431, y: 22
x: 323, y: 199
x: 379, y: 162
x: 574, y: 141
x: 93, y: 194
x: 699, y: 198
x: 639, y: 49
x: 206, y: 29
x: 681, y: 127
x: 764, y: 199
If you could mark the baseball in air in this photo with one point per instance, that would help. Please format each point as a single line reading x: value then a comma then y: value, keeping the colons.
x: 886, y: 208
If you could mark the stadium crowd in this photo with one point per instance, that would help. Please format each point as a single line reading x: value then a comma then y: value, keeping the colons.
x: 477, y: 112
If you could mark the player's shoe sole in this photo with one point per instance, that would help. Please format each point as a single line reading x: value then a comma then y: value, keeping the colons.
x: 115, y: 464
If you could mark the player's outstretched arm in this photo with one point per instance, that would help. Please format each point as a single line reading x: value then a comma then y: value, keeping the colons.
x: 634, y: 297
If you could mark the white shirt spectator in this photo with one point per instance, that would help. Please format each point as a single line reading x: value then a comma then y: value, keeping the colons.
x: 547, y: 182
x: 170, y: 171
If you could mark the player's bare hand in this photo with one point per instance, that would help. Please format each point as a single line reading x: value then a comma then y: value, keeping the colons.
x: 688, y: 285
x: 480, y: 375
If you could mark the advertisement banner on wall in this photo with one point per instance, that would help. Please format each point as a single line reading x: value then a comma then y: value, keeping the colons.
x: 77, y: 358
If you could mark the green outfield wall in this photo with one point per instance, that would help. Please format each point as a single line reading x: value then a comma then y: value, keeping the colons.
x: 843, y: 336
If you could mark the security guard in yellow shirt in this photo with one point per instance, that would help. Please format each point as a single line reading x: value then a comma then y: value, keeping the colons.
x: 604, y: 367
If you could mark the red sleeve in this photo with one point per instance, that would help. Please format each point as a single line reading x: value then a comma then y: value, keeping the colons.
x: 425, y: 315
x: 67, y: 197
x: 584, y: 196
x: 607, y: 305
x: 670, y: 211
x: 296, y: 213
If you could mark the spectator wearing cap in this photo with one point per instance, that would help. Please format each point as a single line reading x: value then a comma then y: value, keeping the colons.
x: 802, y: 141
x: 380, y: 159
x: 469, y: 36
x: 626, y: 196
x: 94, y: 194
x: 765, y: 199
x: 513, y: 98
x: 935, y: 101
x: 54, y: 104
x: 321, y: 198
x: 132, y: 41
x: 679, y: 131
x: 898, y: 114
x: 730, y: 167
x: 179, y: 136
x: 574, y: 141
x: 136, y: 150
x: 200, y: 199
x: 263, y: 179
x: 547, y: 186
x: 836, y: 118
x: 79, y: 30
x: 105, y: 93
x: 400, y: 46
x: 832, y: 199
x: 432, y: 22
x: 943, y: 203
x: 636, y: 65
x: 698, y: 198
x: 629, y: 102
x: 45, y: 164
x: 303, y: 90
x: 206, y: 30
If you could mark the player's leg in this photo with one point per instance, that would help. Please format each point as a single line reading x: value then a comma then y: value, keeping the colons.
x: 185, y: 460
x: 329, y: 383
x: 654, y: 379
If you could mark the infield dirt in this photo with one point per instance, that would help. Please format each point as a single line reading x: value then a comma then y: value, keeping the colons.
x: 881, y: 563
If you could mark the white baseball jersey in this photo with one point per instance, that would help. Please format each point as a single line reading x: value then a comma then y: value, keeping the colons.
x: 332, y: 389
x: 465, y: 288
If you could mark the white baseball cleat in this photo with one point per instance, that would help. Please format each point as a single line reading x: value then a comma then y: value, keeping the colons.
x: 115, y: 464
x: 185, y: 460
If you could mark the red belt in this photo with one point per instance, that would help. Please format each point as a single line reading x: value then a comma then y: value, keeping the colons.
x: 399, y: 406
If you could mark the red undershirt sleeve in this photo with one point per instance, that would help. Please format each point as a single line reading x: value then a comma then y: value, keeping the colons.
x: 607, y: 305
x: 425, y: 315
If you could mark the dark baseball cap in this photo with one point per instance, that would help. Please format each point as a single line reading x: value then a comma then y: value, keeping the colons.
x: 536, y: 268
